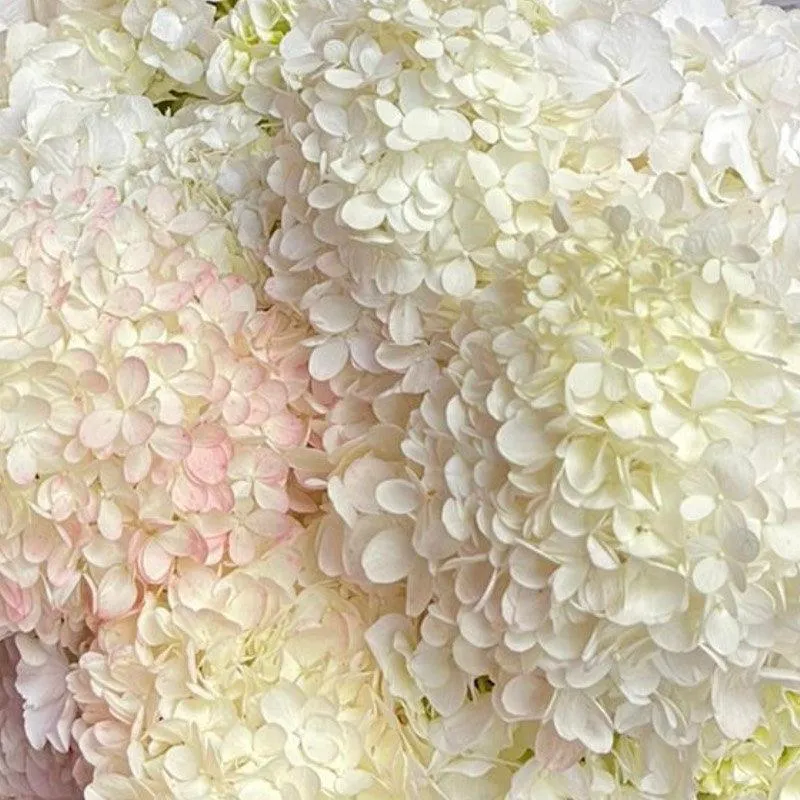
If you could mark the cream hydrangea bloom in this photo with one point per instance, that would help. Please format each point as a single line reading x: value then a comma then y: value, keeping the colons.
x: 246, y: 61
x: 176, y: 36
x: 764, y: 767
x: 247, y: 685
x: 69, y: 100
x: 591, y: 488
x: 158, y: 48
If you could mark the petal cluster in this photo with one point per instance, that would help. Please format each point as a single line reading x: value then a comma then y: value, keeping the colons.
x: 761, y: 767
x: 173, y: 36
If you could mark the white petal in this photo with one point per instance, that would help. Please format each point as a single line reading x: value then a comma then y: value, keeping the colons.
x: 520, y: 442
x: 578, y: 716
x: 458, y: 278
x: 526, y: 181
x: 554, y: 753
x: 710, y: 575
x: 585, y: 379
x: 405, y: 322
x: 527, y: 696
x: 132, y: 380
x: 298, y: 242
x: 601, y: 556
x: 626, y: 422
x: 180, y: 762
x: 116, y: 593
x: 343, y: 78
x: 100, y: 428
x: 499, y: 205
x: 736, y: 706
x: 567, y: 579
x: 109, y: 519
x: 586, y: 465
x: 484, y: 168
x: 735, y: 475
x: 328, y: 360
x: 421, y: 124
x: 738, y: 541
x: 363, y: 212
x: 722, y: 631
x: 21, y: 463
x: 388, y: 557
x: 326, y: 195
x: 155, y: 562
x: 331, y: 118
x: 784, y: 538
x: 334, y: 313
x: 711, y: 388
x: 397, y: 496
x: 759, y: 386
x: 647, y: 388
x: 388, y: 113
x: 166, y: 26
x: 528, y: 569
x: 697, y: 507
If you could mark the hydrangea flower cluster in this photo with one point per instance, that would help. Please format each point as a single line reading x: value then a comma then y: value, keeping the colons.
x: 249, y: 685
x: 399, y: 398
x: 152, y: 402
x: 148, y: 401
x: 761, y: 767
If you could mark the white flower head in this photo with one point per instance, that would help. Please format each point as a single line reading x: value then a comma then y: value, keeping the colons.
x: 176, y: 36
x: 590, y: 506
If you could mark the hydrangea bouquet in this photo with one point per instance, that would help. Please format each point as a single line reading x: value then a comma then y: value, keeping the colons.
x: 399, y: 400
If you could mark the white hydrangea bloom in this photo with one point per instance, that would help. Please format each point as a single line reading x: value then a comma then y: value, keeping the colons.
x: 362, y: 223
x: 573, y: 227
x: 590, y: 487
x: 29, y: 770
x: 161, y: 48
x: 71, y: 99
x: 151, y: 404
x: 246, y: 61
x: 174, y: 35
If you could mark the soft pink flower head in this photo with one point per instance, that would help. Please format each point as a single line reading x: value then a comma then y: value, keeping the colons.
x: 150, y: 408
x: 37, y: 771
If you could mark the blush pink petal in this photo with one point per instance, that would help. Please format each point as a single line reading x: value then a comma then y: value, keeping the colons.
x: 100, y: 428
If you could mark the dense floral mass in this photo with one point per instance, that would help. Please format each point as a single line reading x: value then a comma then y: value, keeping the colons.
x: 399, y: 398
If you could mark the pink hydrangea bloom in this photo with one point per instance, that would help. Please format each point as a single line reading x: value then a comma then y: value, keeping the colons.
x: 28, y: 772
x: 151, y: 408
